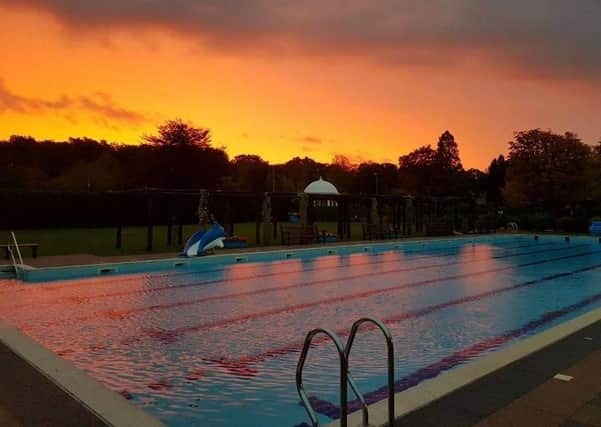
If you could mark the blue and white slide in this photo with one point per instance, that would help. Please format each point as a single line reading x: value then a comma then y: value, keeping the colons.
x: 202, y: 241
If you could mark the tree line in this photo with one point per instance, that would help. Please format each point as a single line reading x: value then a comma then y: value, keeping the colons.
x: 543, y: 171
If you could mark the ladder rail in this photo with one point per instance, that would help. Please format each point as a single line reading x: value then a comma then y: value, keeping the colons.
x: 390, y: 360
x: 343, y: 375
x: 16, y: 244
x: 11, y: 250
x: 364, y: 410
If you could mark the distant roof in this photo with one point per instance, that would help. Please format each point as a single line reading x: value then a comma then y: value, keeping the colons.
x: 321, y: 187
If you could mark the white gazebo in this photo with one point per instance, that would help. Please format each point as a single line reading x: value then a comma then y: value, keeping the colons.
x: 322, y: 187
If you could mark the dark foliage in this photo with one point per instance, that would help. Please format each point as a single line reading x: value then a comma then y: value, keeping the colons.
x: 548, y: 181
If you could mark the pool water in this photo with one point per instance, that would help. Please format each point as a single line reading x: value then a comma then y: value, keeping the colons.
x: 218, y: 344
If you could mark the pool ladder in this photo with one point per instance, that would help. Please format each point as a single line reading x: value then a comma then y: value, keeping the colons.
x: 345, y: 375
x: 13, y: 248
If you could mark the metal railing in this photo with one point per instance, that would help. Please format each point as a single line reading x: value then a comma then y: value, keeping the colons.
x: 345, y: 375
x: 12, y: 247
x: 390, y: 362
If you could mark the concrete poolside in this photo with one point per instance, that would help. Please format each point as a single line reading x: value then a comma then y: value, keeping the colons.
x: 84, y: 259
x: 525, y: 393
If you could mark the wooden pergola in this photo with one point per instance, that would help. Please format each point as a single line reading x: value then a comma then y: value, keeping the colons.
x: 408, y: 215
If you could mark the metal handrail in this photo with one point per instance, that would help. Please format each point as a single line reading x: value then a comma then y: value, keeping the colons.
x: 12, y: 254
x: 343, y: 376
x: 12, y: 235
x: 359, y: 396
x: 390, y: 349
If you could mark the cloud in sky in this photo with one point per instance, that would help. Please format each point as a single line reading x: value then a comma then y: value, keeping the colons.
x: 100, y: 103
x: 311, y: 140
x: 552, y: 38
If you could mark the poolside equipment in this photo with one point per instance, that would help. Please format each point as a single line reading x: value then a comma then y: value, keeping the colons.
x: 595, y: 228
x: 202, y: 241
x: 326, y: 237
x: 512, y: 227
x: 345, y: 375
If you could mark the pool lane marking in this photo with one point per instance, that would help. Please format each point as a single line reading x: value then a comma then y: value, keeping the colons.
x: 332, y: 410
x: 86, y: 299
x: 171, y: 335
x: 121, y: 314
x: 246, y: 362
x: 256, y: 276
x: 124, y: 313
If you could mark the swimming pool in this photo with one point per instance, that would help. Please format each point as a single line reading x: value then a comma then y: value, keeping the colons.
x: 216, y: 343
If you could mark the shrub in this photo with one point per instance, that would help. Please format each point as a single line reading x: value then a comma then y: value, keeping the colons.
x: 577, y: 224
x: 542, y: 221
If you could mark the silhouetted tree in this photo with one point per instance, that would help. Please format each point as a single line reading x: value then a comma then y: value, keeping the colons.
x: 341, y: 171
x: 179, y: 133
x: 447, y: 153
x: 250, y: 173
x: 295, y: 174
x: 496, y: 179
x: 430, y: 172
x: 417, y: 169
x: 376, y: 178
x: 546, y: 170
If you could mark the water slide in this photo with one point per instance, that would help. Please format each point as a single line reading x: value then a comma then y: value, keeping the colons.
x: 202, y: 241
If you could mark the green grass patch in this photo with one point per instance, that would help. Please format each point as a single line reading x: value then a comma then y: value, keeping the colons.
x: 102, y: 241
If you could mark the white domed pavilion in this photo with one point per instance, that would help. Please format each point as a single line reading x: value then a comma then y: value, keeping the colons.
x: 321, y: 187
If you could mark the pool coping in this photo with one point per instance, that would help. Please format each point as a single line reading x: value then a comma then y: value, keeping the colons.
x: 451, y: 381
x: 30, y: 274
x: 102, y: 403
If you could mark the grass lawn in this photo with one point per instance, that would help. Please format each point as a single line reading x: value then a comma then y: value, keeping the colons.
x: 101, y: 241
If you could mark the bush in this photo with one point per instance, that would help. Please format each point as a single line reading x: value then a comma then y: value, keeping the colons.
x: 573, y: 224
x: 489, y: 221
x: 541, y: 221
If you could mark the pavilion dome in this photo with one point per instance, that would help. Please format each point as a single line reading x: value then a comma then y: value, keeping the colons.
x: 321, y: 187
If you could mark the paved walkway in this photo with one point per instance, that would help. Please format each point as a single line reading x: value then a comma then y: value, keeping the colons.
x: 557, y: 403
x: 525, y: 393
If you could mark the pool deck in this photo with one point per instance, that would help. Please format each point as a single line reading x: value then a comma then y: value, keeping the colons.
x: 525, y: 393
x: 86, y: 259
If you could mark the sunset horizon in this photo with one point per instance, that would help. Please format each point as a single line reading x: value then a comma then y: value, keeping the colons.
x: 267, y: 213
x: 294, y: 81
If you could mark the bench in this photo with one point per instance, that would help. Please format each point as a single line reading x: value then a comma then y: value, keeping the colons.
x: 298, y: 234
x: 378, y: 231
x: 33, y: 246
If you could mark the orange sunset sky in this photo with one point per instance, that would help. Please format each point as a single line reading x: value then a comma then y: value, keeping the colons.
x: 367, y: 79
